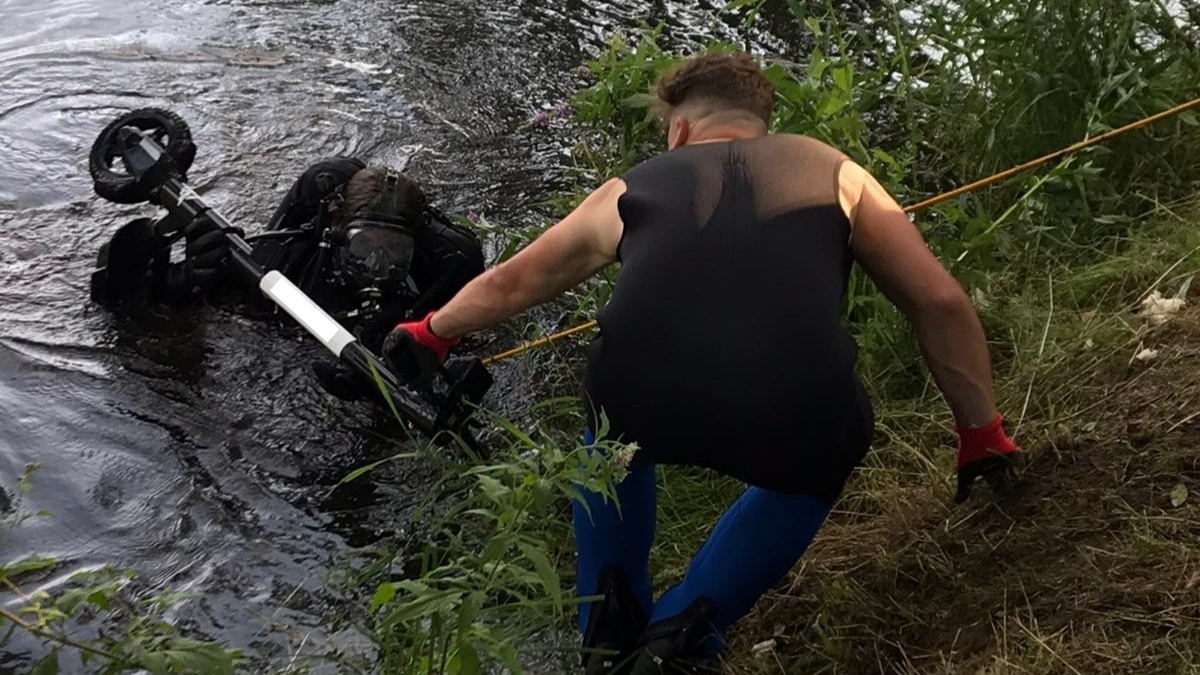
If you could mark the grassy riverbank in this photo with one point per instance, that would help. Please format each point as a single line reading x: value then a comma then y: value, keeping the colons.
x: 1091, y: 566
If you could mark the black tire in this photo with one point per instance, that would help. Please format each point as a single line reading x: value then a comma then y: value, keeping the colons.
x: 109, y: 178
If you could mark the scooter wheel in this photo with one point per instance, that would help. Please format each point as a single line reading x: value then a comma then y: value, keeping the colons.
x: 111, y: 180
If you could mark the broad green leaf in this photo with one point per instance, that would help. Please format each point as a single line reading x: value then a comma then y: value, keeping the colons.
x: 45, y: 615
x: 99, y: 598
x: 545, y: 571
x: 412, y: 586
x: 154, y: 662
x: 470, y: 608
x: 424, y: 607
x: 382, y: 596
x: 468, y: 659
x: 817, y: 65
x: 843, y: 78
x: 886, y: 158
x: 576, y: 495
x: 798, y: 10
x: 32, y: 563
x: 833, y: 103
x: 199, y: 658
x: 639, y: 101
x: 493, y: 488
x: 167, y: 600
x: 70, y: 600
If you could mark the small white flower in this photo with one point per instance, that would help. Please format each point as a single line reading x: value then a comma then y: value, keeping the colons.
x: 621, y: 458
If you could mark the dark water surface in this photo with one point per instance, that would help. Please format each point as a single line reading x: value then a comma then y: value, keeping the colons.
x: 194, y: 445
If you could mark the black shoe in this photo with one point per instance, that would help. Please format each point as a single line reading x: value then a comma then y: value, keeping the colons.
x: 614, y: 626
x: 677, y: 645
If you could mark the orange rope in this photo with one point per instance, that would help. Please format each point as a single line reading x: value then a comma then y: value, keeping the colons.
x: 919, y: 206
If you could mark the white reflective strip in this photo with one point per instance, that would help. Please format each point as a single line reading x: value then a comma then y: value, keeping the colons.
x: 313, y: 318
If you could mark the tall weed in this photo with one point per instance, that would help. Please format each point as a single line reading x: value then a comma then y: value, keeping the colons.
x: 932, y: 95
x: 483, y: 573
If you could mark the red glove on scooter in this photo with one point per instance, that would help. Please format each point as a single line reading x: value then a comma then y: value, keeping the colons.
x: 985, y: 452
x: 423, y: 334
x: 414, y: 351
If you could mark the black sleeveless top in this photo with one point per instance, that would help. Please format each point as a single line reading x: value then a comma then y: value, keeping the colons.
x: 722, y: 344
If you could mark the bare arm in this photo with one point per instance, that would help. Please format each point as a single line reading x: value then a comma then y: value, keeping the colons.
x: 577, y: 247
x: 895, y: 257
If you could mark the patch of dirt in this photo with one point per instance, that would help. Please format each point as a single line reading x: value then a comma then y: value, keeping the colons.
x: 1092, y: 565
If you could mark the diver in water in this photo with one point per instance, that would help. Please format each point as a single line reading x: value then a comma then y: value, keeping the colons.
x: 722, y: 347
x: 362, y: 242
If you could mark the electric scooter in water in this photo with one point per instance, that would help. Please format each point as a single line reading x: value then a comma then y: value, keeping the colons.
x: 143, y: 156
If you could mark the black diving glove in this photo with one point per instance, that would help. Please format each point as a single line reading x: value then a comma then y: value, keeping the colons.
x: 129, y: 262
x: 205, y: 265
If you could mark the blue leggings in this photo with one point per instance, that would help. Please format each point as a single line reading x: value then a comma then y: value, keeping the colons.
x: 753, y: 545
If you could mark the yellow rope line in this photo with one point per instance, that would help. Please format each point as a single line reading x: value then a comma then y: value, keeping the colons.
x: 1053, y: 156
x: 521, y: 349
x: 919, y: 206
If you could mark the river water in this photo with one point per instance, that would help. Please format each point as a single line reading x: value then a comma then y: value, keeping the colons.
x: 194, y: 446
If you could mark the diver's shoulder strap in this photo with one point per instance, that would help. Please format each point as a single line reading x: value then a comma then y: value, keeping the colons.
x: 315, y: 185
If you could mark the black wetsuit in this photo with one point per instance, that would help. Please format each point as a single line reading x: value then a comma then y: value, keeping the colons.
x: 722, y: 344
x: 445, y: 257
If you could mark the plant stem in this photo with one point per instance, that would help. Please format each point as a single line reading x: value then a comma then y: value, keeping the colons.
x: 16, y: 589
x: 60, y: 639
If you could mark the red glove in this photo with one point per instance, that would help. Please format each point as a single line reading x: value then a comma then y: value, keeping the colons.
x: 414, y: 352
x: 423, y: 334
x: 985, y: 452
